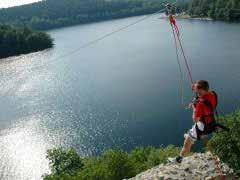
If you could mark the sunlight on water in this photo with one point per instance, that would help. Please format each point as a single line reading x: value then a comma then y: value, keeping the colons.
x: 23, y: 152
x: 119, y: 93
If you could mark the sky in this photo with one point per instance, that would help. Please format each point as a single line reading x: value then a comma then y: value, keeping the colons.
x: 10, y: 3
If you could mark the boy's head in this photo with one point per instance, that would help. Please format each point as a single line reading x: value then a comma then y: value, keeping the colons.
x: 200, y: 87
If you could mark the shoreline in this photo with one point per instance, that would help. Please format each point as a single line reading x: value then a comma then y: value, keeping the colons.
x: 187, y: 16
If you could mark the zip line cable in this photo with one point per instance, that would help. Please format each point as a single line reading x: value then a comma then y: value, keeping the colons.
x: 91, y: 43
x: 174, y: 29
x: 99, y: 39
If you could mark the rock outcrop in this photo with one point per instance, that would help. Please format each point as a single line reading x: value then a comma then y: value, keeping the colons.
x: 199, y: 166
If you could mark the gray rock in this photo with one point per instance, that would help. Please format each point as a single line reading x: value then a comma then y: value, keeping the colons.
x: 195, y: 167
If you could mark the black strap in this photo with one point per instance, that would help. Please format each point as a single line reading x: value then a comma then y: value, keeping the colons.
x: 208, y: 129
x: 199, y: 132
x: 213, y: 126
x: 222, y: 127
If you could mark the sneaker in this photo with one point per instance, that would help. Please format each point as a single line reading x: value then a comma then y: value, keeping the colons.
x: 175, y: 159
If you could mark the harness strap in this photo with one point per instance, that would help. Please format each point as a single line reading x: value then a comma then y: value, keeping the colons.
x: 210, y: 106
x: 209, y: 127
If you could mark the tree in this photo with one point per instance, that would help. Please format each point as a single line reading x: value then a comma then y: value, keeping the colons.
x: 64, y: 162
x: 14, y: 41
x: 57, y: 13
x: 217, y: 9
x: 112, y: 164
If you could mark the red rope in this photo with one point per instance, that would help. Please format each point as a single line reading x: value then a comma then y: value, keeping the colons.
x: 176, y: 33
x: 185, y: 59
x: 179, y: 65
x: 174, y: 24
x: 176, y: 30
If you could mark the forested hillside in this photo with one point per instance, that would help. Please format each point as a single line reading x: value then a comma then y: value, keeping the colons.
x: 57, y: 13
x: 14, y: 41
x: 50, y: 14
x: 228, y: 10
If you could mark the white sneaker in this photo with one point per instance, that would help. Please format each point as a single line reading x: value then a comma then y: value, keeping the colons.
x: 175, y: 159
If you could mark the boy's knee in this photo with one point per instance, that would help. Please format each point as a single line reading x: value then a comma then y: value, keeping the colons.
x: 188, y: 139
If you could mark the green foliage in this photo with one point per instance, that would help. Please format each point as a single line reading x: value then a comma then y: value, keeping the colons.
x: 112, y: 164
x: 228, y: 10
x: 117, y: 164
x: 14, y: 41
x: 66, y: 162
x: 147, y: 157
x: 227, y: 144
x: 49, y: 14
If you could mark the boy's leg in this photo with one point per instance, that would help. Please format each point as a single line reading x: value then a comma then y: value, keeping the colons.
x: 186, y: 146
x: 190, y: 138
x: 188, y: 142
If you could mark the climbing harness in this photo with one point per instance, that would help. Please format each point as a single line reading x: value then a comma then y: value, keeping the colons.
x: 209, y: 120
x: 212, y: 125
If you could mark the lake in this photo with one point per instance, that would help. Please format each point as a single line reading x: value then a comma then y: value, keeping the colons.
x: 121, y: 92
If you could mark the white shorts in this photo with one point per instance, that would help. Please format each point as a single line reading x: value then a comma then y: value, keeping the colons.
x: 192, y: 133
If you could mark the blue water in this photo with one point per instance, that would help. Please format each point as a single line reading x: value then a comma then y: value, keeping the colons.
x: 119, y: 93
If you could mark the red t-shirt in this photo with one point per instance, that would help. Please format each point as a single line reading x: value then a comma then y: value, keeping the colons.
x: 200, y: 109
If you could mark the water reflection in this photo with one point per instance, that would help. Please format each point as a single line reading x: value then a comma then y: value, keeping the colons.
x: 117, y: 94
x: 23, y: 151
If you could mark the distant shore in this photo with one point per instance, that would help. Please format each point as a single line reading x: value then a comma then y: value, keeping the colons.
x: 187, y: 16
x: 22, y: 40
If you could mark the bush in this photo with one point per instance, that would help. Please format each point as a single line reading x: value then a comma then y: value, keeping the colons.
x: 227, y: 144
x: 21, y: 40
x: 63, y: 163
x: 117, y: 164
x: 111, y: 165
x: 147, y: 157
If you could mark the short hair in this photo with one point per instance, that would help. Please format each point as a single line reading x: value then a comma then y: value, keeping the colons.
x: 202, y: 84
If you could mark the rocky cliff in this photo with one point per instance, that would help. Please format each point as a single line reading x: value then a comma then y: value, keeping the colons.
x: 199, y: 166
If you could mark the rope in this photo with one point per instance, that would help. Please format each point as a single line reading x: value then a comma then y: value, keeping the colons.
x: 176, y: 35
x: 179, y: 66
x: 185, y: 59
x: 176, y: 31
